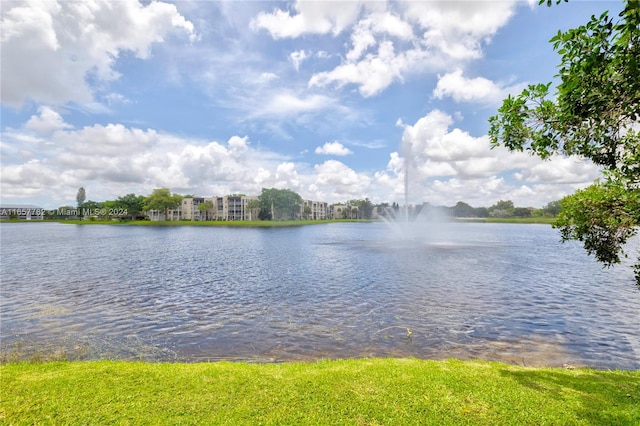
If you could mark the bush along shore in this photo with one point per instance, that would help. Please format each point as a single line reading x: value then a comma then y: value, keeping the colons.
x: 363, y: 391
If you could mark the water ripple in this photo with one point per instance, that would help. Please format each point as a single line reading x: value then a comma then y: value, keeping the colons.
x: 330, y: 291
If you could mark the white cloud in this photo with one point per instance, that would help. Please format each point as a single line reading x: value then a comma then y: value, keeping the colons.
x: 300, y: 56
x: 74, y: 42
x: 458, y: 29
x: 374, y: 73
x: 478, y: 89
x: 386, y: 46
x: 333, y: 148
x: 429, y: 138
x: 365, y: 32
x: 336, y: 181
x: 116, y: 98
x: 238, y: 146
x: 448, y: 165
x: 361, y: 47
x: 261, y: 176
x: 436, y: 150
x: 112, y: 160
x: 110, y: 140
x: 308, y: 17
x: 280, y: 107
x: 119, y: 159
x: 286, y: 104
x: 297, y: 58
x: 48, y: 121
x: 286, y: 177
x: 559, y: 169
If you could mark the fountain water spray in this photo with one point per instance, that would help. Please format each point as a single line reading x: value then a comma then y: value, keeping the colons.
x: 406, y: 188
x: 423, y: 223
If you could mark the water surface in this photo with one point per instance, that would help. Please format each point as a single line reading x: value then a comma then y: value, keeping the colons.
x: 492, y: 291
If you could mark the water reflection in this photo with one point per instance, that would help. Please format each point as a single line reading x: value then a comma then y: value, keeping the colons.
x: 491, y: 291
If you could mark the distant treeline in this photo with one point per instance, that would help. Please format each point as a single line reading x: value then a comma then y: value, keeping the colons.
x: 501, y: 209
x: 136, y: 205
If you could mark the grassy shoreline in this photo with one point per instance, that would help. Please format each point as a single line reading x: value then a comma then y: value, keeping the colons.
x: 362, y: 391
x: 519, y: 220
x: 238, y: 223
x: 229, y: 223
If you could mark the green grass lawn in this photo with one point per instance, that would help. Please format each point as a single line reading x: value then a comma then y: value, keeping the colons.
x: 358, y: 392
x: 545, y: 220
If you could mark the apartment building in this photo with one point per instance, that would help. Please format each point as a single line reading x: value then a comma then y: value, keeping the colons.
x: 229, y: 207
x: 235, y: 207
x: 343, y: 211
x: 314, y: 210
x: 191, y: 208
x: 160, y: 215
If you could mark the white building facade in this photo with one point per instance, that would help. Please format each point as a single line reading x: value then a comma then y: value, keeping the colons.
x: 236, y: 207
x: 229, y: 207
x: 314, y: 210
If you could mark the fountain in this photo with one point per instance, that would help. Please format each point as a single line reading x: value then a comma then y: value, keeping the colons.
x: 421, y: 223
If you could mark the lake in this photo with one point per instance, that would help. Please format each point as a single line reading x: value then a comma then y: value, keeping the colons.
x: 472, y: 290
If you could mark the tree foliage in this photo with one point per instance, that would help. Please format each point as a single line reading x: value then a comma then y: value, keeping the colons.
x: 279, y: 204
x: 594, y: 114
x: 162, y: 200
x: 502, y: 209
x: 597, y: 101
x: 521, y: 212
x: 462, y: 209
x: 132, y: 203
x: 603, y: 216
x: 81, y: 196
x: 205, y: 208
x: 552, y: 208
x: 364, y: 208
x: 254, y: 206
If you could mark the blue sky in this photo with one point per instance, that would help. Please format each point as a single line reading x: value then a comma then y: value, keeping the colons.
x: 325, y: 98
